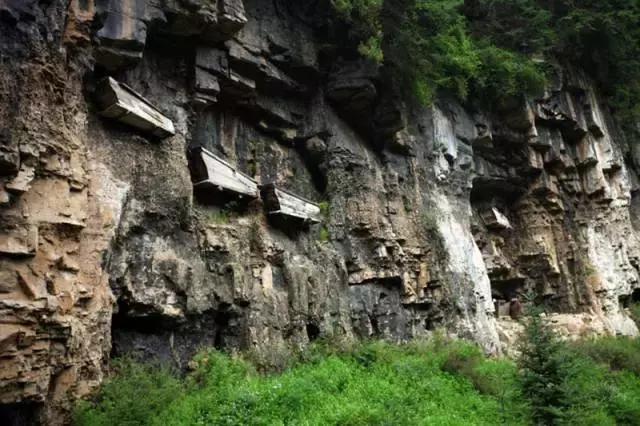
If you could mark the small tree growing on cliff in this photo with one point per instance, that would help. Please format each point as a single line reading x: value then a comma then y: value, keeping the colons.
x: 543, y: 369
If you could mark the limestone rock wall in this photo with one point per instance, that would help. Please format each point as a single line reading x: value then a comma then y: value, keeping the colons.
x: 434, y: 218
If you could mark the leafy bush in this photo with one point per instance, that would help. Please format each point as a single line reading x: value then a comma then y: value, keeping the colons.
x: 439, y: 381
x: 618, y: 353
x: 373, y: 383
x: 133, y: 396
x: 366, y: 27
x: 219, y: 217
x: 592, y: 382
x: 634, y: 310
x: 543, y: 370
x: 434, y: 50
x: 601, y: 36
x: 524, y: 26
x: 483, y: 49
x: 595, y: 395
x: 324, y: 235
x: 604, y: 37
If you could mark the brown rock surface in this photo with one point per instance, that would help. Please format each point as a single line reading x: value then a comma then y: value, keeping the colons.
x: 432, y: 218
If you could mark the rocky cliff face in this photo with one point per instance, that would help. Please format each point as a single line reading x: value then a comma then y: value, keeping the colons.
x: 435, y: 217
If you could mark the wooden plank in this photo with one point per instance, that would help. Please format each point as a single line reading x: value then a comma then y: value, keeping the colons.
x: 282, y: 202
x: 216, y: 173
x: 120, y: 102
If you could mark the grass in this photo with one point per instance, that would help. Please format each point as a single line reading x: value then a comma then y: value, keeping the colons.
x: 221, y: 217
x: 324, y: 235
x: 634, y: 310
x: 617, y: 353
x: 325, y: 211
x: 136, y: 391
x: 437, y: 382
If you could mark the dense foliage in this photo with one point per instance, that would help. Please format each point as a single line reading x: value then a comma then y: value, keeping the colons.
x: 492, y: 49
x: 604, y: 37
x: 436, y: 51
x: 437, y: 383
x: 543, y: 369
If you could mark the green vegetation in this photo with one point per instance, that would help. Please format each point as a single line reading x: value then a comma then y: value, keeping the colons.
x: 594, y: 390
x: 439, y: 382
x: 492, y: 50
x: 325, y: 212
x: 220, y: 217
x: 604, y: 36
x: 437, y: 52
x: 324, y: 235
x: 543, y: 369
x: 366, y: 27
x: 136, y: 392
x: 617, y: 353
x: 433, y: 48
x: 634, y: 310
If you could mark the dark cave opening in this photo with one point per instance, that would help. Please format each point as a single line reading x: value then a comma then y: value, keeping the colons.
x: 221, y: 320
x: 20, y: 413
x: 313, y: 331
x: 127, y: 317
x: 507, y: 289
x: 626, y: 300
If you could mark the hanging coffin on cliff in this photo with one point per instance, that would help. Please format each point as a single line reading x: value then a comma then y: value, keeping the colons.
x: 280, y: 202
x: 212, y: 173
x: 493, y: 219
x: 120, y: 102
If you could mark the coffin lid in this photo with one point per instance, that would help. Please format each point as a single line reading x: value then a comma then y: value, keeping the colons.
x: 109, y: 96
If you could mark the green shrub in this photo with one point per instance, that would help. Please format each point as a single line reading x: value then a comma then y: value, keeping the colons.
x: 324, y: 235
x: 603, y: 36
x: 342, y: 382
x: 617, y: 353
x: 220, y: 217
x: 523, y: 26
x: 494, y: 377
x: 623, y: 399
x: 366, y: 26
x: 634, y: 311
x: 356, y: 384
x: 325, y: 210
x: 132, y: 397
x: 543, y: 370
x: 595, y: 395
x: 432, y: 47
x: 483, y: 49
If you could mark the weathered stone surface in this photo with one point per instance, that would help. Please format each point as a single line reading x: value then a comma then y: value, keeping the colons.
x: 9, y: 156
x: 22, y: 181
x: 19, y: 239
x: 351, y: 86
x: 433, y: 218
x: 122, y: 33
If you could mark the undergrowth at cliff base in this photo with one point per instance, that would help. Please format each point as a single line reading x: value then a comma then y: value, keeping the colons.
x: 438, y: 382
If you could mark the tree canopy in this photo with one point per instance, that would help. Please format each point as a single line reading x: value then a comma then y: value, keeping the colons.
x: 492, y: 49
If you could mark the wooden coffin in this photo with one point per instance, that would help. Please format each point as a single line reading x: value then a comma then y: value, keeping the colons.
x: 120, y: 102
x: 211, y: 172
x: 493, y: 219
x: 280, y: 202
